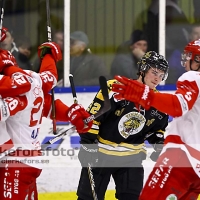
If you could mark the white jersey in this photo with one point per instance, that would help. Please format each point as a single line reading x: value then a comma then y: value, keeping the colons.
x: 17, y: 84
x: 23, y: 120
x: 184, y: 131
x: 22, y: 129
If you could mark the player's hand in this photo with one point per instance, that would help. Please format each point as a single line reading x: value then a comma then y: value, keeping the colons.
x: 132, y: 90
x: 88, y: 154
x: 3, y: 34
x: 6, y: 59
x: 76, y: 114
x: 50, y: 48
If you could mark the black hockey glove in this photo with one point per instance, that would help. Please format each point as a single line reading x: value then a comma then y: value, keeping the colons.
x: 50, y: 48
x: 88, y: 154
x: 158, y: 148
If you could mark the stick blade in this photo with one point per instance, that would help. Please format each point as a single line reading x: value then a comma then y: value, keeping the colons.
x: 104, y: 90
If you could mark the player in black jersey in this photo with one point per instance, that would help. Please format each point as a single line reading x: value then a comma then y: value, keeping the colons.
x: 114, y: 146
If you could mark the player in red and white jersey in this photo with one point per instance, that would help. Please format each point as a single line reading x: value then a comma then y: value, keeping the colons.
x: 18, y: 128
x: 8, y: 85
x: 23, y: 118
x: 176, y: 174
x: 18, y: 82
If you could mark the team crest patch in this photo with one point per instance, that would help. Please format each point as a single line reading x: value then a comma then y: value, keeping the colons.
x: 172, y: 197
x: 131, y: 124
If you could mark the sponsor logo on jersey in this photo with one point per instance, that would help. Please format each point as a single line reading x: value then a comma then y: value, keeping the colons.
x: 156, y: 114
x: 146, y: 92
x: 172, y: 197
x: 7, y: 184
x: 184, y: 105
x: 161, y: 174
x: 8, y: 62
x: 131, y: 124
x: 26, y: 197
x: 30, y: 80
x: 4, y: 109
x: 159, y: 135
x: 33, y: 195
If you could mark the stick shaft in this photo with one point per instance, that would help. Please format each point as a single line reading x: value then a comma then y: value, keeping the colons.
x: 48, y: 21
x: 104, y: 109
x: 71, y: 79
x: 52, y: 90
x: 1, y: 16
x: 90, y: 173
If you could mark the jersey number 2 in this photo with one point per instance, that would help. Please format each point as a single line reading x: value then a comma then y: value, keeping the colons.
x: 37, y: 103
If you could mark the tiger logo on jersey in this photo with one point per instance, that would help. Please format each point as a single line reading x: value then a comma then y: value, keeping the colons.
x: 131, y: 124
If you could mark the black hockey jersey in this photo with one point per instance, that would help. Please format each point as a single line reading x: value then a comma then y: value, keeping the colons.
x: 122, y: 130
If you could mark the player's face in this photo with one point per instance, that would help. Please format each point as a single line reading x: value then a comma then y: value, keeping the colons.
x: 153, y: 77
x: 186, y: 61
x: 194, y: 66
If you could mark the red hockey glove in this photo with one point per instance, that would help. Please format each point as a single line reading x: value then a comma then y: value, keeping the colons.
x: 6, y: 59
x: 134, y: 91
x: 50, y: 48
x: 76, y: 114
x: 3, y: 34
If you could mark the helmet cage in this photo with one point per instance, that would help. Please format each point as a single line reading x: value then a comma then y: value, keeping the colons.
x: 192, y: 48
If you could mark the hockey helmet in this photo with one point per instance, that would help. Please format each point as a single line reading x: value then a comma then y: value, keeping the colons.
x: 191, y: 52
x: 3, y: 34
x: 151, y: 59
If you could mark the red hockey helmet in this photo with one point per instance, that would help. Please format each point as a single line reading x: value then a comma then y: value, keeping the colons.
x: 191, y: 52
x: 3, y: 34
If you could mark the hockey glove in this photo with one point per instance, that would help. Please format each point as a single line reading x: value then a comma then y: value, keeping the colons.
x: 88, y: 154
x: 6, y: 59
x: 134, y: 91
x: 76, y: 114
x: 158, y: 148
x: 50, y: 48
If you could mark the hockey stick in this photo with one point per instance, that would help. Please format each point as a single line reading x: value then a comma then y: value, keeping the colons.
x: 52, y: 90
x: 1, y: 16
x: 71, y: 80
x: 104, y: 109
x: 89, y: 168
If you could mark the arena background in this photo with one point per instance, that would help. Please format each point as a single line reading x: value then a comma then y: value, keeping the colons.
x: 107, y: 23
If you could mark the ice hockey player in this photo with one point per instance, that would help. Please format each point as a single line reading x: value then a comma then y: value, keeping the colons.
x: 22, y: 116
x: 116, y: 139
x: 176, y: 175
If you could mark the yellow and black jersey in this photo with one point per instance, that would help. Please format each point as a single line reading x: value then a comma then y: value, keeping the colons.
x: 122, y: 130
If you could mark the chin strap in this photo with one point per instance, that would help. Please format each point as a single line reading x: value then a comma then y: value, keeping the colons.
x: 142, y: 74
